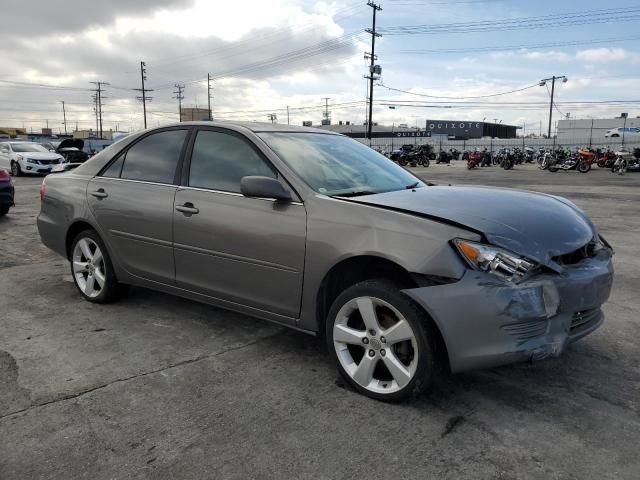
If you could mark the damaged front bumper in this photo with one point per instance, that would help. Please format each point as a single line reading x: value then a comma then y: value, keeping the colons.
x: 487, y: 322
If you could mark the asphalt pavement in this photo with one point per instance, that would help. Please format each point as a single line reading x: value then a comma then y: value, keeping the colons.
x: 161, y: 387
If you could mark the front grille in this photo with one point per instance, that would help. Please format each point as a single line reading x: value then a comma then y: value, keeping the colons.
x: 587, y: 251
x: 584, y: 319
x: 524, y: 331
x: 44, y: 162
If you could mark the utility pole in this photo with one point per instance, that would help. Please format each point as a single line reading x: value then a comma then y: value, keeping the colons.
x: 209, y: 95
x: 288, y: 115
x: 144, y: 98
x: 180, y: 97
x: 64, y: 118
x: 543, y: 83
x: 98, y: 99
x: 373, y: 68
x: 326, y: 115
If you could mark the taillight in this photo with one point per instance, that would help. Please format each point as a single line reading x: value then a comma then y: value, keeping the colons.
x: 4, y: 175
x: 43, y: 190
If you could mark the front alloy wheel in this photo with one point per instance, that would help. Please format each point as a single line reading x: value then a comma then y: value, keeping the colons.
x: 379, y: 339
x: 16, y: 171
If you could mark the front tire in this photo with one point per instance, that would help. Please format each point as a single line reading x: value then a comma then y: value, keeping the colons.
x: 16, y: 170
x: 92, y: 270
x: 380, y: 342
x: 4, y: 211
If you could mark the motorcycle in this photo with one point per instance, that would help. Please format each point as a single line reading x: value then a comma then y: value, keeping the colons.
x: 626, y: 162
x: 473, y: 158
x: 446, y: 157
x: 581, y: 161
x: 529, y: 154
x: 606, y: 158
x: 508, y: 159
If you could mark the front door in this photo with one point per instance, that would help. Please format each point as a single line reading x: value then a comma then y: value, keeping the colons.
x: 246, y: 251
x: 132, y: 202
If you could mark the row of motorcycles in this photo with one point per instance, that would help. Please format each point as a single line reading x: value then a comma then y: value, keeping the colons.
x: 422, y: 155
x: 582, y: 159
x: 554, y: 160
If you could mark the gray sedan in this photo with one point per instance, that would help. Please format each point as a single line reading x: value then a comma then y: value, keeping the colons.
x: 315, y: 231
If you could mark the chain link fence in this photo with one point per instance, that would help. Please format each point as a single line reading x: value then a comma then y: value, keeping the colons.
x: 387, y: 145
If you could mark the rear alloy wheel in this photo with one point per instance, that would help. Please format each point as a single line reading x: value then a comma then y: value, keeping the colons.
x: 92, y: 269
x: 379, y: 340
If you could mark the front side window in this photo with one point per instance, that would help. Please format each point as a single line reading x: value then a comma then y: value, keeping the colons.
x: 154, y: 158
x: 337, y: 165
x: 220, y: 160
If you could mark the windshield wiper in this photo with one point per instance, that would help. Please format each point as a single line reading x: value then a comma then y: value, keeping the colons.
x: 357, y: 193
x: 413, y: 185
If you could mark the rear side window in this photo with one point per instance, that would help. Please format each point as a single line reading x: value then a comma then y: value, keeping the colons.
x: 113, y: 171
x: 220, y: 160
x: 154, y: 158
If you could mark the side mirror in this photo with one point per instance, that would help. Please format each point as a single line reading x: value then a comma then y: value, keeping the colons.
x: 264, y: 187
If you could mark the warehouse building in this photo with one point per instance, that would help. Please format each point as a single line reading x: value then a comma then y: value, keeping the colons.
x: 448, y: 129
x: 593, y: 128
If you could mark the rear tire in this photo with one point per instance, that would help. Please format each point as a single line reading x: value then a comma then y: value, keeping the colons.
x: 584, y: 167
x: 92, y: 270
x: 4, y: 211
x: 380, y: 341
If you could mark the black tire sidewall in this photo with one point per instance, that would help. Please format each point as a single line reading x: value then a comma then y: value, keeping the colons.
x: 390, y: 293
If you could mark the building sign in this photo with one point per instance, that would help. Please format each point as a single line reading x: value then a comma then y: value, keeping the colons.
x: 389, y: 134
x: 411, y: 133
x: 456, y: 128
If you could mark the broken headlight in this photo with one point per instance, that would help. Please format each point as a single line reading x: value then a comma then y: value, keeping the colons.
x: 487, y: 258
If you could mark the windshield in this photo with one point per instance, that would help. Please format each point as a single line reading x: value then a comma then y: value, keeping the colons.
x: 337, y: 165
x: 27, y: 147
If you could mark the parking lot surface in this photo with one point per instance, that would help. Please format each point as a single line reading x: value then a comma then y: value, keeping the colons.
x: 160, y: 387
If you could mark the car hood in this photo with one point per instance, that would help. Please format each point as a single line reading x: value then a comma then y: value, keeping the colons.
x: 71, y: 143
x: 535, y: 225
x: 40, y: 155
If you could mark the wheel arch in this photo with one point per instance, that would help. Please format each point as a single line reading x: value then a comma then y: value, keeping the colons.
x: 74, y: 229
x: 355, y: 269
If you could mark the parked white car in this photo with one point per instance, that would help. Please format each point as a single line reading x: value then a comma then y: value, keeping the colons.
x: 27, y: 158
x: 628, y: 132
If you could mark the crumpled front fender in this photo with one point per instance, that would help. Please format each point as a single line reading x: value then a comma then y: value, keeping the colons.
x: 487, y: 322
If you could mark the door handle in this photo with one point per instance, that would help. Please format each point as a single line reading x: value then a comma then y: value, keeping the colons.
x: 188, y: 209
x: 100, y: 193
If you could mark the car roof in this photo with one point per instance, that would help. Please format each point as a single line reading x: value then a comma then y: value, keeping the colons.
x: 256, y: 127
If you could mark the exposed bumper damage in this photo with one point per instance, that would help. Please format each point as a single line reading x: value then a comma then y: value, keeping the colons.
x: 486, y: 322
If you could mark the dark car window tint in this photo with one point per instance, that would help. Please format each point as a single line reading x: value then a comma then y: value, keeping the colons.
x: 220, y: 160
x: 114, y: 169
x: 154, y: 158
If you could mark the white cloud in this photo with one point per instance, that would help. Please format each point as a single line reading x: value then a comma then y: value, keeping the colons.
x: 603, y: 55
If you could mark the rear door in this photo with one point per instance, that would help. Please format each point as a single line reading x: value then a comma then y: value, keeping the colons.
x: 244, y: 251
x: 132, y: 202
x: 5, y: 156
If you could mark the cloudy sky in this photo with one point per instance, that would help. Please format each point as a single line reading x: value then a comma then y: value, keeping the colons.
x: 440, y: 59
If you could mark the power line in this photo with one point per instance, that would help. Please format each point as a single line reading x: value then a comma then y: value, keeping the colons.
x: 520, y: 23
x: 505, y: 48
x: 459, y: 98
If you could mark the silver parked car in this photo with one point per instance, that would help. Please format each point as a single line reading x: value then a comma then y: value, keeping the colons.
x: 315, y: 231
